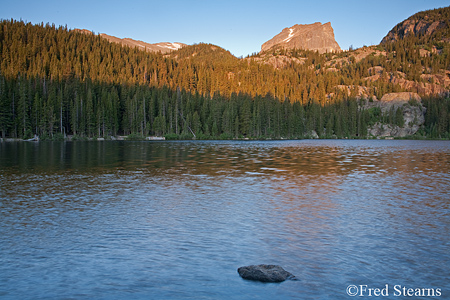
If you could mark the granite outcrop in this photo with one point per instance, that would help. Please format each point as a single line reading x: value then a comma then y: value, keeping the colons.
x: 316, y: 37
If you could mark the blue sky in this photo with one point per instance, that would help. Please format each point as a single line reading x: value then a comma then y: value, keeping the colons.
x: 238, y: 26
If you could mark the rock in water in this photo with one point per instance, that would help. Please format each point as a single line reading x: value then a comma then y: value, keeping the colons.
x: 265, y: 273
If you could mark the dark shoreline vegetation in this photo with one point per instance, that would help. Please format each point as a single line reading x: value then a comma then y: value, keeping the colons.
x: 105, y: 111
x: 56, y: 83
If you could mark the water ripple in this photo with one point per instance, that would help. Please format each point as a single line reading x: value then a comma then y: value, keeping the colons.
x: 174, y: 220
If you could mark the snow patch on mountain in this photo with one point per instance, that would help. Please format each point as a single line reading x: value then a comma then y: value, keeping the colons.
x: 290, y: 36
x: 164, y: 47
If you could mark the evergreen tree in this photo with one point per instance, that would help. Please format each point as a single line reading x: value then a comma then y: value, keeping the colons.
x: 53, y: 80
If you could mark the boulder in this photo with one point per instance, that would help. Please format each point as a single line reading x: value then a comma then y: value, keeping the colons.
x: 312, y: 135
x: 265, y: 273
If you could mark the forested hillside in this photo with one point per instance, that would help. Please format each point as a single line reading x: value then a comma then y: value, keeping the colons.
x: 56, y: 82
x: 429, y: 25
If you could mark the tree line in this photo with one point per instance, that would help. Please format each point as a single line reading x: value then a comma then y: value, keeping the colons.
x: 53, y: 109
x: 56, y: 82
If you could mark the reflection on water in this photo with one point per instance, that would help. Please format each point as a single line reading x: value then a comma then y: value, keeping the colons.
x: 175, y: 219
x: 214, y: 158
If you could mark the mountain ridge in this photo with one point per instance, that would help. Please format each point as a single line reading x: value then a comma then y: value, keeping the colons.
x: 163, y: 47
x: 53, y: 80
x: 430, y: 23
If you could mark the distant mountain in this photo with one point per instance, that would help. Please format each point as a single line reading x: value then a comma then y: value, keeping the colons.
x: 434, y: 24
x: 164, y: 47
x: 60, y: 81
x: 317, y: 37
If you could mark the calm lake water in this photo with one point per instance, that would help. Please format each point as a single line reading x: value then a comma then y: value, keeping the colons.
x: 174, y: 220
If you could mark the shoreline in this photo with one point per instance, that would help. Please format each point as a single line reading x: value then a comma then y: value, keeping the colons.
x: 161, y: 139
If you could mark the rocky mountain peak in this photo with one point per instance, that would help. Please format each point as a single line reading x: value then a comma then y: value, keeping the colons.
x: 317, y: 37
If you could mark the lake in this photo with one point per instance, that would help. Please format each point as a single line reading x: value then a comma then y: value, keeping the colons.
x: 174, y: 220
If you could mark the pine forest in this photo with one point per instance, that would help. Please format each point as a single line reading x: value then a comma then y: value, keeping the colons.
x: 56, y: 82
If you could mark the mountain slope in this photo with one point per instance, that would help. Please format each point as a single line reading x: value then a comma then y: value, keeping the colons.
x: 58, y: 80
x: 316, y: 37
x: 434, y: 24
x: 163, y: 47
x: 204, y: 53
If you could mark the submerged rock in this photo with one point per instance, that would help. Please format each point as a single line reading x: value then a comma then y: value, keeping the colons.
x: 265, y: 273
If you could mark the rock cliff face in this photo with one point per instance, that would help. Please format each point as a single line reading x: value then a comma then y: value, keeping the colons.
x: 424, y: 23
x: 431, y: 84
x: 317, y: 37
x: 412, y: 110
x: 413, y: 27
